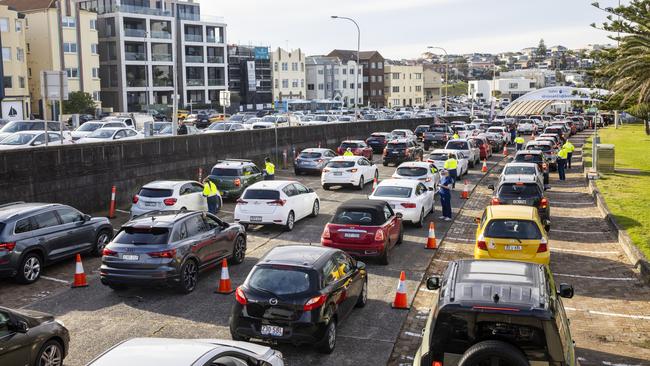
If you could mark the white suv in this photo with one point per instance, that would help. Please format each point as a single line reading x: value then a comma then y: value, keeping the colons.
x: 468, y: 148
x: 422, y: 171
x: 169, y: 195
x: 348, y: 170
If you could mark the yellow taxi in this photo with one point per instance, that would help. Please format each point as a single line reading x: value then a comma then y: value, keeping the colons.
x: 218, y: 117
x: 512, y: 232
x: 181, y: 114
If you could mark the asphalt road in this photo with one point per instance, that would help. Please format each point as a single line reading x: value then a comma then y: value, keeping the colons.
x: 98, y: 318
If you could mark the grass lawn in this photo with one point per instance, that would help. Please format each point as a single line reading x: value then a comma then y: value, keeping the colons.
x: 628, y: 193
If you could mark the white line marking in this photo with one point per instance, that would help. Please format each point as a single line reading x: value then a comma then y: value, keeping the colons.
x: 366, y: 338
x: 597, y: 278
x: 122, y: 211
x: 441, y: 260
x: 577, y: 232
x: 55, y: 279
x: 583, y: 251
x: 459, y: 239
x: 413, y: 334
x: 644, y: 317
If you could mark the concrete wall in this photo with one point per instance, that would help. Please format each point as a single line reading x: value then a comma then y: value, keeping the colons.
x: 82, y: 175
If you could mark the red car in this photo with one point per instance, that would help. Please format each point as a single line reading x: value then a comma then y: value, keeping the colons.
x: 364, y: 228
x: 358, y: 147
x: 484, y: 146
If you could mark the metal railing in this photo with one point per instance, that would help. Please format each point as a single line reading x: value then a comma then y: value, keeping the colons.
x: 161, y: 35
x: 163, y: 82
x: 135, y: 56
x: 193, y: 38
x: 161, y: 57
x: 142, y: 10
x: 195, y: 82
x: 215, y: 59
x: 134, y: 32
x: 193, y: 58
x: 136, y: 83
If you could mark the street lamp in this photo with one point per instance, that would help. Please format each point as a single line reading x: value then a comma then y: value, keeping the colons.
x: 446, y: 74
x: 356, y: 86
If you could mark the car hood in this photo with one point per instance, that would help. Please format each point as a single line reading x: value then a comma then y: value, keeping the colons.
x: 33, y: 317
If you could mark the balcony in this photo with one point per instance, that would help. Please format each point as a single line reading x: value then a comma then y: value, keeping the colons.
x: 194, y: 59
x: 215, y: 59
x: 136, y: 83
x: 193, y: 38
x: 216, y: 82
x: 161, y: 57
x: 162, y: 82
x: 195, y: 82
x: 133, y: 32
x: 143, y: 10
x: 135, y: 56
x: 161, y: 35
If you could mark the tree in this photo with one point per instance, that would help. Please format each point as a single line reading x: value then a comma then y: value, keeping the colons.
x: 79, y: 102
x: 540, y: 53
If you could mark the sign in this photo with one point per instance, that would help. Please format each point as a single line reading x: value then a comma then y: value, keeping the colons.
x: 53, y: 83
x: 261, y: 53
x: 12, y: 110
x: 250, y: 67
x: 282, y: 106
x: 224, y: 98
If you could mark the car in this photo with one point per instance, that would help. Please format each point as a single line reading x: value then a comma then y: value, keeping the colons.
x: 358, y: 147
x: 546, y: 147
x: 31, y: 125
x: 29, y: 337
x: 299, y: 294
x: 275, y: 120
x: 89, y: 127
x: 353, y: 171
x: 166, y: 130
x: 512, y: 232
x: 503, y: 131
x: 468, y: 148
x: 420, y: 130
x: 479, y: 316
x: 526, y: 126
x: 555, y: 139
x: 439, y: 156
x: 219, y: 127
x: 276, y: 202
x: 437, y: 135
x: 378, y: 140
x: 463, y: 131
x: 522, y: 190
x: 494, y: 139
x: 106, y: 134
x: 27, y: 139
x: 421, y: 171
x: 515, y: 169
x: 170, y: 195
x: 324, y: 118
x: 401, y: 150
x: 170, y: 248
x: 557, y: 130
x: 484, y: 147
x: 403, y: 134
x: 312, y: 160
x: 410, y: 198
x: 537, y: 157
x: 364, y: 228
x: 34, y: 235
x: 187, y: 352
x: 233, y: 176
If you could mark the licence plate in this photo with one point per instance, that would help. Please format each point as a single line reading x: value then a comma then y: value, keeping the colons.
x: 272, y: 330
x: 130, y: 257
x: 512, y: 247
x: 338, y: 173
x: 519, y: 202
x: 256, y: 218
x: 351, y: 235
x: 150, y: 204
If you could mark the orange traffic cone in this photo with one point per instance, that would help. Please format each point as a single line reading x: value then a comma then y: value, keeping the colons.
x: 400, y: 301
x: 374, y: 184
x: 79, y: 274
x: 465, y: 193
x: 224, y: 283
x: 505, y: 150
x: 431, y: 239
x: 484, y: 168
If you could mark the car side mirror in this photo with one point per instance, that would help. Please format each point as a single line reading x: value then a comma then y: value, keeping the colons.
x: 433, y: 283
x: 87, y: 217
x: 477, y: 220
x: 361, y: 266
x: 20, y: 326
x: 566, y: 290
x: 399, y: 215
x: 491, y: 186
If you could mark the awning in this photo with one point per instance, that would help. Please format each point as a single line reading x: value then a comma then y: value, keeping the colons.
x: 536, y: 101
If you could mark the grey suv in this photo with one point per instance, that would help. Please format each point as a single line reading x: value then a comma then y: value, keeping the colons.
x: 33, y: 235
x: 170, y: 247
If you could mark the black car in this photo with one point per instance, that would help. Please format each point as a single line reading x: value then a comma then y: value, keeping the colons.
x: 203, y: 120
x: 522, y: 190
x: 497, y: 313
x: 299, y: 294
x: 33, y: 235
x: 31, y: 338
x: 420, y: 131
x: 378, y: 141
x: 437, y: 135
x: 170, y: 248
x: 401, y: 150
x: 535, y: 156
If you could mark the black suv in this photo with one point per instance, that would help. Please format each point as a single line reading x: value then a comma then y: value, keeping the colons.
x: 497, y: 313
x: 524, y: 190
x: 397, y: 151
x: 437, y: 135
x: 33, y: 235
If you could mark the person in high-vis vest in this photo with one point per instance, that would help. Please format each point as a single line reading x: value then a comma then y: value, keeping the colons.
x: 348, y: 152
x: 561, y: 162
x: 569, y: 148
x: 451, y: 165
x: 455, y: 136
x: 211, y: 192
x: 269, y: 168
x: 520, y: 142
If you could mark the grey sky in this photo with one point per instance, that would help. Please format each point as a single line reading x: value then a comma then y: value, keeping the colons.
x: 403, y: 28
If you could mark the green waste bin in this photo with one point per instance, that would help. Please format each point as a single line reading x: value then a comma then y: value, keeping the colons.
x: 606, y: 161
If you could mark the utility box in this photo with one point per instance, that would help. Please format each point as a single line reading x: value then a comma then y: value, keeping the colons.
x: 606, y: 160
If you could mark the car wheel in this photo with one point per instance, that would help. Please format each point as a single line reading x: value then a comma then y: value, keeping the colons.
x: 420, y: 222
x: 51, y: 354
x: 238, y: 250
x: 494, y: 353
x: 363, y: 296
x: 326, y: 187
x: 329, y: 340
x: 103, y: 238
x: 291, y: 221
x: 189, y: 276
x: 315, y: 209
x: 30, y: 269
x: 362, y: 182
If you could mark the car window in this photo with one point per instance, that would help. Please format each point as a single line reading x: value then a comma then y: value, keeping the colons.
x: 388, y: 212
x: 300, y: 188
x: 248, y: 170
x: 225, y: 172
x: 25, y: 225
x: 195, y: 187
x: 120, y: 134
x: 46, y: 219
x: 290, y: 190
x: 281, y: 280
x: 412, y: 171
x: 195, y: 226
x: 420, y: 189
x: 517, y: 229
x: 393, y: 191
x: 232, y: 360
x: 53, y: 126
x: 185, y: 189
x: 69, y: 215
x: 54, y: 136
x: 211, y: 223
x: 131, y: 133
x: 261, y: 194
x: 344, y: 264
x: 40, y: 139
x: 330, y: 272
x: 180, y: 232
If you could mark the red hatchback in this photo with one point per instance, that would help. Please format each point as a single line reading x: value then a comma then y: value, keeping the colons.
x: 358, y: 147
x: 364, y: 228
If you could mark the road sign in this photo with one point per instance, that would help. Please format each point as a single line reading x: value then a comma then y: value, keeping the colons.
x: 54, y: 85
x: 224, y: 98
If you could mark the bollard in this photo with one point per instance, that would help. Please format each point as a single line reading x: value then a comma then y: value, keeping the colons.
x: 284, y: 159
x: 111, y: 209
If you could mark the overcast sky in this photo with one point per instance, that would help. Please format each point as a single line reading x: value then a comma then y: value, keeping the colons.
x: 404, y: 28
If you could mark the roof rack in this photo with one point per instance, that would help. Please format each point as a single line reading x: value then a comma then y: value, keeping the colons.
x: 11, y: 203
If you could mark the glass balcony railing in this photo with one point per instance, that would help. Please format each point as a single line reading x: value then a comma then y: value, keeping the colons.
x: 216, y: 82
x: 143, y: 10
x: 193, y: 38
x: 195, y: 82
x: 194, y: 59
x: 136, y: 83
x: 133, y: 32
x: 161, y: 35
x: 161, y: 57
x: 135, y: 56
x: 163, y: 82
x: 215, y: 59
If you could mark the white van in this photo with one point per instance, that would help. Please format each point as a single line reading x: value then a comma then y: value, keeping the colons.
x: 133, y: 120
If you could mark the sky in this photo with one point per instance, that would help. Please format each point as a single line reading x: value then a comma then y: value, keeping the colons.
x: 404, y: 28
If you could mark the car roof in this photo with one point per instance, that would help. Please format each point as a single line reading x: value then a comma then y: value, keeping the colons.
x: 519, y: 178
x: 445, y: 151
x: 347, y: 158
x: 542, y: 142
x: 12, y: 209
x: 271, y: 184
x: 159, y: 218
x: 399, y: 182
x: 352, y: 141
x: 33, y: 132
x: 296, y: 255
x: 315, y: 149
x: 420, y: 164
x: 529, y: 152
x: 398, y: 141
x: 166, y: 184
x: 233, y: 163
x: 511, y: 211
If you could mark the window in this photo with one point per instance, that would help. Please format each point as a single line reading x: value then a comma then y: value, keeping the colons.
x: 302, y: 66
x: 380, y: 65
x: 72, y: 72
x: 320, y: 71
x: 396, y: 76
x: 373, y: 92
x: 7, y: 82
x: 96, y: 96
x: 302, y: 83
x: 329, y: 86
x: 95, y: 72
x: 68, y: 22
x: 294, y: 66
x: 351, y: 85
x: 513, y: 85
x: 275, y: 66
x: 28, y: 50
x: 373, y: 65
x: 320, y: 86
x: 295, y: 83
x: 20, y: 54
x: 351, y: 71
x: 310, y: 86
x: 365, y: 79
x: 344, y: 71
x: 418, y: 88
x: 93, y: 24
x: 336, y: 71
x: 46, y: 219
x: 93, y: 49
x: 29, y: 72
x: 418, y: 76
x: 396, y: 89
x: 285, y: 66
x: 69, y: 215
x: 345, y: 84
x: 276, y: 83
x: 418, y: 100
x: 21, y: 82
x: 373, y: 78
x: 69, y: 47
x: 285, y: 83
x: 380, y: 78
x: 6, y: 53
x: 380, y: 92
x: 24, y: 225
x: 4, y: 24
x: 19, y: 26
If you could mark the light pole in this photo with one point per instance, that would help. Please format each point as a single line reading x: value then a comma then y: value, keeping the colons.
x: 446, y: 74
x: 356, y: 86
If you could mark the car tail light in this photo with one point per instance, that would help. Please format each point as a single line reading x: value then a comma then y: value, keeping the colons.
x: 136, y: 198
x: 276, y: 203
x: 169, y: 201
x: 543, y: 246
x: 543, y: 203
x: 241, y: 201
x: 314, y: 303
x: 8, y: 246
x: 379, y: 235
x: 480, y: 243
x: 237, y: 182
x: 495, y: 201
x: 352, y: 170
x: 436, y: 363
x: 408, y: 205
x: 240, y: 296
x: 109, y: 253
x: 326, y: 232
x: 171, y: 253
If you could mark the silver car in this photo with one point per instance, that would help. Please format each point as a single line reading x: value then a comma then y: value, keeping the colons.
x: 312, y: 160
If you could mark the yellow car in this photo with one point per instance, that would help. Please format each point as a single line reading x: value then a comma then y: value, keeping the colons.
x: 512, y: 232
x: 181, y: 114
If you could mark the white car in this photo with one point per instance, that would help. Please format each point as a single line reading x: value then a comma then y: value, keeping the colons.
x: 502, y: 131
x: 439, y: 156
x: 526, y: 126
x: 111, y: 134
x: 91, y: 126
x: 404, y: 134
x: 468, y: 148
x: 276, y: 202
x: 463, y: 131
x: 276, y: 119
x: 26, y: 139
x: 169, y: 195
x: 348, y: 170
x: 422, y: 171
x: 411, y: 198
x: 219, y: 127
x: 522, y: 169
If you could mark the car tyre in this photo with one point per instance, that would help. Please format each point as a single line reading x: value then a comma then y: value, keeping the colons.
x: 420, y: 222
x: 291, y: 221
x: 189, y: 276
x: 362, y: 182
x: 327, y: 344
x: 326, y: 187
x: 363, y: 296
x: 103, y: 238
x: 488, y: 351
x: 51, y: 354
x: 238, y: 250
x: 315, y: 209
x: 30, y: 268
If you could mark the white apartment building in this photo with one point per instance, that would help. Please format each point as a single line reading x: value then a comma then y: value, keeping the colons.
x: 329, y: 78
x: 511, y: 88
x: 288, y: 74
x: 403, y: 84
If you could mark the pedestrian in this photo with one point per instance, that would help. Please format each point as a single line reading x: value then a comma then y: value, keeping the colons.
x: 213, y: 196
x: 513, y: 134
x: 444, y: 190
x: 561, y: 162
x: 569, y: 148
x: 455, y: 136
x: 451, y: 165
x: 269, y: 168
x: 348, y: 152
x: 520, y: 142
x: 182, y: 129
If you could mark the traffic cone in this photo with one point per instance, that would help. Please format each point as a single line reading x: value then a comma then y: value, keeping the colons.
x: 431, y: 239
x: 465, y: 193
x: 400, y: 301
x: 79, y: 274
x: 505, y: 150
x: 374, y: 184
x: 224, y: 283
x: 484, y: 167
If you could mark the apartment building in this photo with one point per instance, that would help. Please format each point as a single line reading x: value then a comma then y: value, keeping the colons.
x: 432, y: 86
x: 250, y: 77
x: 510, y: 88
x: 403, y: 84
x: 331, y: 78
x: 373, y: 74
x: 288, y: 74
x: 60, y: 36
x: 16, y: 103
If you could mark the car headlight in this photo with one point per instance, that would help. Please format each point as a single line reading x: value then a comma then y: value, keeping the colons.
x: 60, y: 322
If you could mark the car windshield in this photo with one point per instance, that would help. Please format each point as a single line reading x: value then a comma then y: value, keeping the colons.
x: 354, y: 217
x: 397, y: 145
x: 456, y: 145
x: 391, y: 191
x: 279, y: 280
x: 269, y: 119
x: 539, y: 147
x: 225, y: 172
x: 460, y: 128
x: 310, y: 155
x: 519, y: 190
x: 438, y: 156
x: 516, y: 229
x: 89, y: 127
x: 237, y: 118
x: 261, y: 194
x: 155, y: 192
x: 340, y: 164
x: 17, y: 126
x: 157, y: 127
x: 101, y: 134
x: 528, y: 158
x: 17, y: 139
x: 496, y: 130
x: 320, y: 118
x: 142, y: 236
x: 351, y: 145
x: 526, y: 170
x: 412, y: 171
x: 218, y: 127
x: 166, y: 131
x: 398, y: 133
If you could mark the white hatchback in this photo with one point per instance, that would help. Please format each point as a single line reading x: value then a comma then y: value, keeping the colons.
x: 169, y: 195
x: 348, y: 170
x: 411, y: 198
x: 421, y: 171
x: 439, y: 156
x: 276, y: 202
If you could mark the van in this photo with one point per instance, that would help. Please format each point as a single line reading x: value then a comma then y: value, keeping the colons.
x: 133, y: 120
